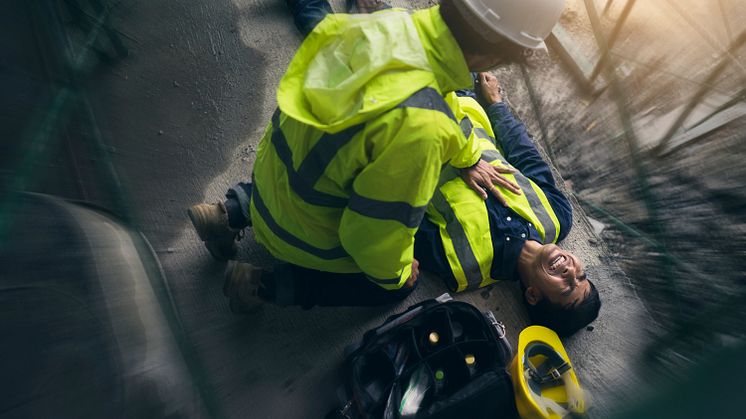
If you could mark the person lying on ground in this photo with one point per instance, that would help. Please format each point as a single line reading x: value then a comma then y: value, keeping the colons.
x: 473, y: 239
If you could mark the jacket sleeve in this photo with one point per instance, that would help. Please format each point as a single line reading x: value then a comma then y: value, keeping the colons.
x: 390, y: 195
x: 468, y: 155
x: 522, y: 154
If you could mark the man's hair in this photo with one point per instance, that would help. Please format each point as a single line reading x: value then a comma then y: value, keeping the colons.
x: 569, y: 319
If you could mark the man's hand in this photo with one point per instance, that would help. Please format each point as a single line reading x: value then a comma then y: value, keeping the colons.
x: 488, y: 89
x: 415, y: 273
x: 484, y: 176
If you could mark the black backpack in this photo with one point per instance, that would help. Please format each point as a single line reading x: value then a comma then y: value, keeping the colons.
x: 438, y: 359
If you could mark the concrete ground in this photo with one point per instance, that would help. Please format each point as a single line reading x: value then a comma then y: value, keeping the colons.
x: 183, y: 114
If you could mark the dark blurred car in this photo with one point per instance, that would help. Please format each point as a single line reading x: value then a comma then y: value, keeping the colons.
x: 87, y: 327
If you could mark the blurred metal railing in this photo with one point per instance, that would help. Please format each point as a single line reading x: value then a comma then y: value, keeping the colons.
x: 655, y: 237
x: 42, y: 134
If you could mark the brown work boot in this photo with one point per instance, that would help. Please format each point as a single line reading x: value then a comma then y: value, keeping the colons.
x: 211, y: 223
x: 241, y: 286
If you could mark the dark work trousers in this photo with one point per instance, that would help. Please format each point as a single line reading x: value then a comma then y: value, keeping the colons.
x: 308, y: 13
x: 291, y: 284
x: 295, y: 285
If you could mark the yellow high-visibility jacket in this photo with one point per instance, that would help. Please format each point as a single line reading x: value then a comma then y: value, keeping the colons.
x: 352, y: 156
x: 462, y: 216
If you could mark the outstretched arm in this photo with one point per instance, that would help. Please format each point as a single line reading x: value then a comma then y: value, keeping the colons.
x: 517, y: 145
x: 520, y: 150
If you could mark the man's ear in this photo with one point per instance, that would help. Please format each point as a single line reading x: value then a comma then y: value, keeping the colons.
x: 532, y: 295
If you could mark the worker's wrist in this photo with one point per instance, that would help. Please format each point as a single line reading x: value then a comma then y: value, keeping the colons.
x: 499, y: 113
x: 495, y: 96
x: 473, y: 165
x: 499, y: 96
x: 498, y: 109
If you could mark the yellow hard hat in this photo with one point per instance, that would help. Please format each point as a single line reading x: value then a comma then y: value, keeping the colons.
x: 544, y: 381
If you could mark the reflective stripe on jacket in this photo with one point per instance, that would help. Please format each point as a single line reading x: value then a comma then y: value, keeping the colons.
x: 461, y: 214
x: 345, y: 170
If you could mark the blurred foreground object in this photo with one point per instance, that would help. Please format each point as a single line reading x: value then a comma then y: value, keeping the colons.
x: 84, y: 335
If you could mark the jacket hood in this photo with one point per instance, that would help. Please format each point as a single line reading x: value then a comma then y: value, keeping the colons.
x: 352, y: 68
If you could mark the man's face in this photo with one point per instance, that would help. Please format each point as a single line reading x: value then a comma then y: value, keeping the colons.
x: 480, y: 61
x: 490, y: 55
x: 558, y: 276
x: 484, y: 62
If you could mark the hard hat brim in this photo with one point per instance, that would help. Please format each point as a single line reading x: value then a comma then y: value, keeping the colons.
x: 483, y: 20
x: 527, y: 406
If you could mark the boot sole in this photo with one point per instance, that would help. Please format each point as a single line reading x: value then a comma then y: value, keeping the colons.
x: 229, y: 290
x: 227, y: 275
x: 214, y: 247
x: 196, y: 222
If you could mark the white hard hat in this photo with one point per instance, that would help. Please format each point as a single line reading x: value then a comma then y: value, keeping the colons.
x: 524, y: 22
